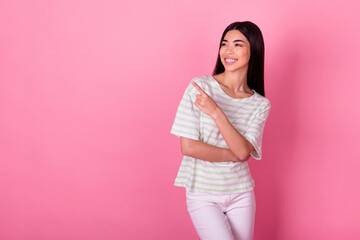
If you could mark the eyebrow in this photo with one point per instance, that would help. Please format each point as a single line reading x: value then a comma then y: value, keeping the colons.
x: 233, y: 41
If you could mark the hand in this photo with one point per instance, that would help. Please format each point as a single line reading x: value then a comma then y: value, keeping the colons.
x: 205, y: 103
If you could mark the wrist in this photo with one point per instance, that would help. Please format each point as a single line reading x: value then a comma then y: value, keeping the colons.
x: 217, y: 113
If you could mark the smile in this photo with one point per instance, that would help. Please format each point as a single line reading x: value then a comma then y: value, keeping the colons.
x: 230, y: 60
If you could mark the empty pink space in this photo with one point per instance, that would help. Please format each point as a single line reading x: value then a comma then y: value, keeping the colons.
x: 89, y: 92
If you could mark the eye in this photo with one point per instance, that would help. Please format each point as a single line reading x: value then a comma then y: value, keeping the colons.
x: 238, y: 45
x: 223, y: 44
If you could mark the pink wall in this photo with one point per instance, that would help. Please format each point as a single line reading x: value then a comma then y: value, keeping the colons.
x: 89, y: 91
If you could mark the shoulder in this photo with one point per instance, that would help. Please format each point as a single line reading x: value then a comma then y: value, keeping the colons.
x: 204, y: 83
x: 201, y: 80
x: 261, y: 101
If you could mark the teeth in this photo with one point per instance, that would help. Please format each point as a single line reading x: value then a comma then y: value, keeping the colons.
x: 230, y: 60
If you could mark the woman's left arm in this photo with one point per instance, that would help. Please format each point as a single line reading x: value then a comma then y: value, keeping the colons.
x: 237, y: 143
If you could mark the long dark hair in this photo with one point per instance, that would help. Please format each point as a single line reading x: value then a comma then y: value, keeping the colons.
x: 255, y: 75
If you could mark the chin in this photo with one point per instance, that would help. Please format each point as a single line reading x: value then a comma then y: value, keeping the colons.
x: 232, y: 69
x: 235, y: 68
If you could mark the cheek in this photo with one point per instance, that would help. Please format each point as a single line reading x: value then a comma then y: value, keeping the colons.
x: 244, y: 55
x: 221, y: 55
x: 221, y: 51
x: 248, y: 53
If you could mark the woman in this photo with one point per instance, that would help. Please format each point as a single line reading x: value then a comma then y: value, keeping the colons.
x: 220, y: 122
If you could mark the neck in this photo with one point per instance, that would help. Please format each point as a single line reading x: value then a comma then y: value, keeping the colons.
x: 237, y: 81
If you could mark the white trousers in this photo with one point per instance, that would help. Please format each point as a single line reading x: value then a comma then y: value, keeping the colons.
x: 222, y: 217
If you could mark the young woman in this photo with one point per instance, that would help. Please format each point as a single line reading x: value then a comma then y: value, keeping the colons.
x: 220, y: 122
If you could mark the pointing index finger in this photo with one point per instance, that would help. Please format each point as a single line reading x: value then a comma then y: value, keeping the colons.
x: 198, y: 88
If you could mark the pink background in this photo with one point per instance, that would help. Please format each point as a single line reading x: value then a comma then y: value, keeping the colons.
x: 89, y: 92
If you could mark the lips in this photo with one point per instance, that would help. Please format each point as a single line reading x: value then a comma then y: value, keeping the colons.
x: 230, y: 61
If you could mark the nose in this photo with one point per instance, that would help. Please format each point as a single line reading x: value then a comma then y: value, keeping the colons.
x: 229, y: 50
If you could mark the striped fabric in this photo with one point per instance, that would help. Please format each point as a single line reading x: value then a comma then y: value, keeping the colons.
x: 247, y: 115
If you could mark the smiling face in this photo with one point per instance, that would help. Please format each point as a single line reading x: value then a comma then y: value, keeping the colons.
x: 235, y: 51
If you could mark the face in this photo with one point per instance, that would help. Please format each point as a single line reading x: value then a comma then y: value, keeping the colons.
x: 235, y: 51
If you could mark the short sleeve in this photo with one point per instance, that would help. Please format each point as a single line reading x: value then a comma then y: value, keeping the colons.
x: 254, y: 133
x: 187, y: 119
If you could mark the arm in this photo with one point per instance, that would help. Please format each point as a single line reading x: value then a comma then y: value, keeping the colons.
x: 207, y: 152
x: 239, y: 145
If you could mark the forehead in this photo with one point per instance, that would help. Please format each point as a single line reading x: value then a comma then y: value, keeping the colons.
x: 234, y: 35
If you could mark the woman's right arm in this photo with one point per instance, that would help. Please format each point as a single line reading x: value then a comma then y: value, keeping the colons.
x: 187, y: 127
x: 207, y: 152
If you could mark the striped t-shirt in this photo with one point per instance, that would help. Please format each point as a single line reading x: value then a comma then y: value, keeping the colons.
x: 247, y: 115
